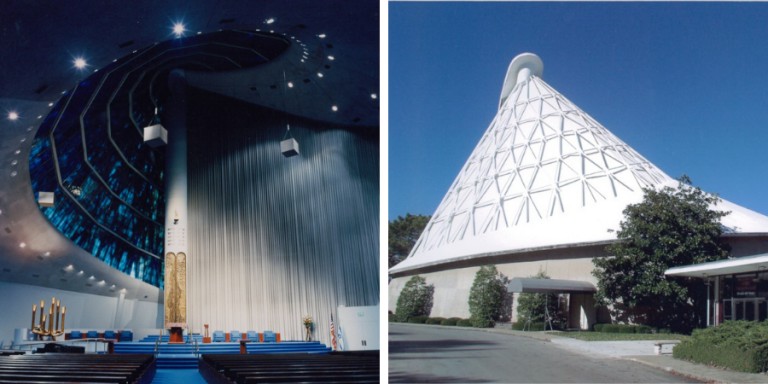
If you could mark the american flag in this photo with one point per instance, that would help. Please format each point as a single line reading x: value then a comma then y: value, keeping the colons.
x: 333, y: 335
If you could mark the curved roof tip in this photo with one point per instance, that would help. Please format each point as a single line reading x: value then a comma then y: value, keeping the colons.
x: 520, y: 69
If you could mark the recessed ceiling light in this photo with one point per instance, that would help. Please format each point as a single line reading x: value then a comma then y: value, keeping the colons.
x: 319, y: 74
x: 14, y: 173
x: 374, y: 96
x: 22, y: 245
x: 178, y: 29
x: 80, y: 273
x: 39, y: 117
x: 17, y: 151
x: 322, y: 35
x: 269, y: 21
x: 46, y: 254
x: 290, y: 84
x: 331, y: 58
x: 334, y: 108
x: 80, y: 63
x: 14, y: 162
x: 50, y: 104
x: 91, y: 278
x: 13, y: 115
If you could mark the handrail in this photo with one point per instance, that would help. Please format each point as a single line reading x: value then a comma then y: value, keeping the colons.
x: 157, y: 343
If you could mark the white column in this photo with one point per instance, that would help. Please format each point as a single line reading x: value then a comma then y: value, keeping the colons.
x: 717, y: 300
x: 174, y: 120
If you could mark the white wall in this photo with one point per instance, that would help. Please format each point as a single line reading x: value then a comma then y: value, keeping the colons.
x: 84, y: 311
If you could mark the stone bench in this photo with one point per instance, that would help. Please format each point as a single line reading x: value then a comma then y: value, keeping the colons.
x: 658, y: 346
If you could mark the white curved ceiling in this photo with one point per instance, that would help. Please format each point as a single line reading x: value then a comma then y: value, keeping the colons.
x: 40, y: 40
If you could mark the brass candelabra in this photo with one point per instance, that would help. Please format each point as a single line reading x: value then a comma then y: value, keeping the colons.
x: 49, y: 324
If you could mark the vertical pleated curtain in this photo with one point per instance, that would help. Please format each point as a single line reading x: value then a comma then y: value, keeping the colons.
x: 274, y: 239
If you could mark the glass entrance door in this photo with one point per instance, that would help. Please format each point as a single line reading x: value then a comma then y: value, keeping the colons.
x: 752, y: 309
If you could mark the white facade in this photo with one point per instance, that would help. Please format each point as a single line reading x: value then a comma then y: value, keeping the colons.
x: 543, y: 190
x: 545, y: 174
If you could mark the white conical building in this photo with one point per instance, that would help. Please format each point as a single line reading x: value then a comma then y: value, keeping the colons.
x: 541, y: 191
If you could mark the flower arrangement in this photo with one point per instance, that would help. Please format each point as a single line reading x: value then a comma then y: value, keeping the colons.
x: 307, y: 321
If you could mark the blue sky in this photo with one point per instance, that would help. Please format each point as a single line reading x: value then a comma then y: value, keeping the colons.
x: 684, y: 84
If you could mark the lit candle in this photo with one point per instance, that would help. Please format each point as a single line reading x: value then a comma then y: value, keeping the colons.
x: 63, y: 315
x: 58, y: 310
x: 34, y: 311
x: 42, y: 312
x: 42, y: 323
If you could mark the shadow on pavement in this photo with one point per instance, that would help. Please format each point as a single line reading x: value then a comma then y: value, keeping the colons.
x: 399, y: 377
x: 422, y: 346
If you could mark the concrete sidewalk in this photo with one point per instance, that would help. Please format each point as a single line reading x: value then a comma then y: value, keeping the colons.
x: 640, y: 351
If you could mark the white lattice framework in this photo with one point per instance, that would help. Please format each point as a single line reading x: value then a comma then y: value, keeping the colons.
x: 543, y: 167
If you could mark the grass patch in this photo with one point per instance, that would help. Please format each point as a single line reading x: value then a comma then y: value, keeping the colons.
x: 605, y: 336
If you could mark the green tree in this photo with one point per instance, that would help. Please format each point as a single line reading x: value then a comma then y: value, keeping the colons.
x: 533, y: 307
x: 403, y: 234
x: 486, y: 297
x: 415, y: 299
x: 670, y: 227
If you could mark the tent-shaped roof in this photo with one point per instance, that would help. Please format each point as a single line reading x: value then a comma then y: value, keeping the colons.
x: 545, y: 174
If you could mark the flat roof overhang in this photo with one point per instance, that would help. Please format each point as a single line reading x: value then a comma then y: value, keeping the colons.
x: 747, y: 264
x: 532, y: 285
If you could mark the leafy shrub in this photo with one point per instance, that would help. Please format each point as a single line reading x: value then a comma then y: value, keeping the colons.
x: 435, y: 320
x: 418, y: 319
x: 738, y: 345
x: 392, y: 318
x: 415, y: 299
x: 486, y: 297
x: 599, y: 327
x: 451, y: 321
x: 464, y: 323
x: 534, y: 307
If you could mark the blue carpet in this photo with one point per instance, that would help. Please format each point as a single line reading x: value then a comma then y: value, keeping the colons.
x: 178, y: 376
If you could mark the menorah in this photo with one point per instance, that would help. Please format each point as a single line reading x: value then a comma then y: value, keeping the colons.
x: 46, y: 326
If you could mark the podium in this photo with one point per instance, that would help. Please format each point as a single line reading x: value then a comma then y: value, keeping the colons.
x: 176, y: 332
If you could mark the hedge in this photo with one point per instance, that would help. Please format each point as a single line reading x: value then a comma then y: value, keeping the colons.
x: 392, y: 318
x: 418, y: 319
x: 738, y: 345
x: 464, y: 323
x: 452, y: 321
x: 435, y: 320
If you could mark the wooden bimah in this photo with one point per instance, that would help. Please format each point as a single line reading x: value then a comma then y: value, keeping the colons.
x: 176, y: 332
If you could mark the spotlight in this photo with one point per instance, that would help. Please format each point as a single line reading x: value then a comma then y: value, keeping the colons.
x: 374, y: 96
x: 269, y: 21
x: 80, y: 63
x: 334, y: 108
x: 179, y: 29
x: 13, y: 116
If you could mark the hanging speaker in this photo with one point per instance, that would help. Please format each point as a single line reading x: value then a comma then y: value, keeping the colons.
x: 45, y: 199
x: 289, y: 147
x: 156, y: 135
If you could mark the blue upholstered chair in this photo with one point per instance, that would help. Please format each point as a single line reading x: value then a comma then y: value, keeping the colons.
x: 75, y: 335
x: 270, y: 337
x: 252, y: 336
x: 235, y: 336
x: 92, y: 335
x: 218, y: 336
x: 108, y: 334
x: 126, y: 335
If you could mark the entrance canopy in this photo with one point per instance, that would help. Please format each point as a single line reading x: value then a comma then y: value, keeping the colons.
x: 756, y: 263
x: 531, y: 285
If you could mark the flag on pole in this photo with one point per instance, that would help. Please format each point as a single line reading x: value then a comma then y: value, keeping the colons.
x: 333, y: 335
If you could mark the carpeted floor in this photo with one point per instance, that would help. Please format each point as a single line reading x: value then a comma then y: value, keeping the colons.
x: 178, y: 376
